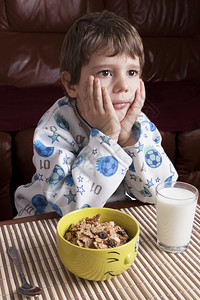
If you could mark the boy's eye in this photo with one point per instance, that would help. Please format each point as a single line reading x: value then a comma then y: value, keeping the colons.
x: 105, y: 73
x: 132, y: 73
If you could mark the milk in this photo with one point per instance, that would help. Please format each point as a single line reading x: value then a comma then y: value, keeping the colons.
x: 175, y: 215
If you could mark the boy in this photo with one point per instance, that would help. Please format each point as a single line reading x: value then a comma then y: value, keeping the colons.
x: 95, y: 145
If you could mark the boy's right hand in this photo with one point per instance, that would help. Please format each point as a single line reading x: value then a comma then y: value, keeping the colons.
x: 97, y: 109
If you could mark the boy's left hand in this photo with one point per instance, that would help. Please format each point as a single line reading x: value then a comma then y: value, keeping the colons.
x: 125, y: 137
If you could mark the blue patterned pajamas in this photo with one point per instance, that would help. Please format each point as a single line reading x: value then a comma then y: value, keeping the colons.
x: 78, y: 167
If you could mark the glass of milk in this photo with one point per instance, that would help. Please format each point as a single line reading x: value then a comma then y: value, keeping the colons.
x: 175, y: 210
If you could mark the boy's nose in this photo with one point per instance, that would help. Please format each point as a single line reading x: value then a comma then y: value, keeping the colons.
x: 120, y: 85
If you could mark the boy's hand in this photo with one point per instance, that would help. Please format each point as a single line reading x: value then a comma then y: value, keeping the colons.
x: 125, y: 137
x: 97, y: 109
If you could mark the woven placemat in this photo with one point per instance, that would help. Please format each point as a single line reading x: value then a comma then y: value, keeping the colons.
x: 153, y: 275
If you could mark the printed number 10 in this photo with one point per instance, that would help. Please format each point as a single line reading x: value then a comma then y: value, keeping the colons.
x: 96, y: 188
x: 44, y: 164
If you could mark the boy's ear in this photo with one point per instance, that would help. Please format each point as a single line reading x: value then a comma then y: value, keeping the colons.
x: 66, y: 79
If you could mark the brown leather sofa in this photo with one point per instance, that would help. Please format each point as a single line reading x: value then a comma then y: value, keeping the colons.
x: 31, y: 34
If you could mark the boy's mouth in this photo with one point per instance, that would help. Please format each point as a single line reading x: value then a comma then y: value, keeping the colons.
x: 120, y: 105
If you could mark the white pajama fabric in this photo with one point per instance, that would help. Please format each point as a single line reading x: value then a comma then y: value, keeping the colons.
x: 78, y: 166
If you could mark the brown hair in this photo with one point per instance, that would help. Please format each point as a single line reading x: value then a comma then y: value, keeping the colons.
x: 100, y: 31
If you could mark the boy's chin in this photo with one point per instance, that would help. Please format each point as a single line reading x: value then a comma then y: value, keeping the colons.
x: 121, y: 115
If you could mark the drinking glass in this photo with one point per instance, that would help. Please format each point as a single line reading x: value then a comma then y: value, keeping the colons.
x: 175, y: 210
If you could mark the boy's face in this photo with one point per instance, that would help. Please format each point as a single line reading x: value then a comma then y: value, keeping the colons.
x: 119, y: 74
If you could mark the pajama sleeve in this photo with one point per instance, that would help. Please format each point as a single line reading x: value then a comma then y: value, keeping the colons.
x: 73, y: 178
x: 78, y: 167
x: 150, y: 164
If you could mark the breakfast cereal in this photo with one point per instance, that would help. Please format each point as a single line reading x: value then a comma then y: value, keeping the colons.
x: 90, y: 233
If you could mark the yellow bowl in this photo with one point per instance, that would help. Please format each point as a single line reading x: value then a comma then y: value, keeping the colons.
x: 98, y: 264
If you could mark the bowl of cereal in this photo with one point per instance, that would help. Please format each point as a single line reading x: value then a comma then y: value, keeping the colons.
x: 97, y: 243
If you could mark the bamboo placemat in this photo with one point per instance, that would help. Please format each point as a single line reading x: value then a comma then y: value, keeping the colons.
x: 153, y: 275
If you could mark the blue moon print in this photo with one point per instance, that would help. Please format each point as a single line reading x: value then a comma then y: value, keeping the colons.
x: 153, y: 158
x: 62, y: 103
x: 94, y: 132
x: 42, y: 150
x: 157, y: 140
x: 85, y: 206
x: 168, y: 179
x: 61, y: 122
x: 56, y: 208
x: 136, y: 131
x: 107, y: 165
x: 145, y: 192
x: 56, y: 176
x: 40, y: 202
x: 132, y: 168
x: 35, y: 177
x: 40, y: 122
x: 69, y: 180
x: 152, y: 126
x: 80, y: 158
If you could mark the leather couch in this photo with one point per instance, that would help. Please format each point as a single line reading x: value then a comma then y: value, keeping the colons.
x: 31, y: 34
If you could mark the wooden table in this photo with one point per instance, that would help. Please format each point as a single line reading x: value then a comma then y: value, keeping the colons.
x: 153, y: 275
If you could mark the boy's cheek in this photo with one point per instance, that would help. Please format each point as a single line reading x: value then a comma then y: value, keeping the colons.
x: 132, y: 97
x: 105, y: 83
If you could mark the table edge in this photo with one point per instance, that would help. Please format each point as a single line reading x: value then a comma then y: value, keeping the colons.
x: 54, y: 215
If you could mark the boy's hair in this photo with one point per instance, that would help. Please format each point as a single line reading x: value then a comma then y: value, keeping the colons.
x: 102, y: 32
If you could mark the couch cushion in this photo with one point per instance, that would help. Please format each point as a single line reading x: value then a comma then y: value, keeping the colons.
x: 31, y: 34
x: 188, y: 157
x: 173, y: 106
x: 6, y: 210
x: 23, y: 107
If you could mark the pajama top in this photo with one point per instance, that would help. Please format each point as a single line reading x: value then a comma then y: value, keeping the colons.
x: 78, y: 166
